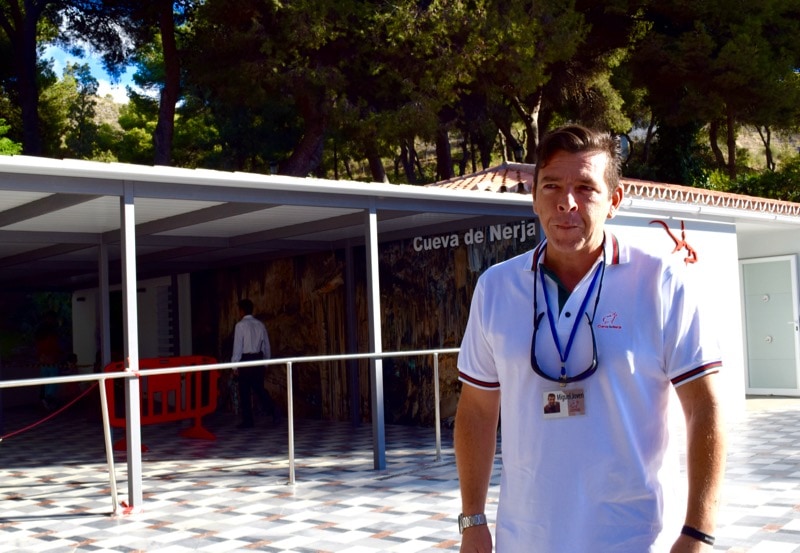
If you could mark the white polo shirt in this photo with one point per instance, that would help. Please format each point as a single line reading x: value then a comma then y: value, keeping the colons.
x: 250, y: 336
x: 589, y: 477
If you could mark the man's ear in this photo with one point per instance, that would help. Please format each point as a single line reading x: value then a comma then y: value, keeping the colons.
x: 616, y: 201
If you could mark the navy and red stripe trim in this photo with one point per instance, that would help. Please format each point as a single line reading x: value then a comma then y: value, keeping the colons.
x: 708, y: 368
x: 614, y: 250
x: 476, y: 382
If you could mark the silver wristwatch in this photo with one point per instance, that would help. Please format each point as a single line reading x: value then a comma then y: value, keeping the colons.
x: 465, y: 521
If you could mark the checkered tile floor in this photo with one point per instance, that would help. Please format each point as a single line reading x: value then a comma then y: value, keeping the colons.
x: 232, y: 494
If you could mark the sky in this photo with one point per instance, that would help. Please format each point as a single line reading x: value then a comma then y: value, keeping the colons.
x: 116, y: 90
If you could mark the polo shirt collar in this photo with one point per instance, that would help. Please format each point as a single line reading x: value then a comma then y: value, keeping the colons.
x: 615, y: 252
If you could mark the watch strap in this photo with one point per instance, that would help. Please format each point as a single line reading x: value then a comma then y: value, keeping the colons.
x: 467, y: 521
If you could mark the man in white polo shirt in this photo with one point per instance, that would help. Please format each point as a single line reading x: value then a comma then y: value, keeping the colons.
x: 605, y: 330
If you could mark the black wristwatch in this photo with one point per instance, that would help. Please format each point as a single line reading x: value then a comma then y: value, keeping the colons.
x: 466, y: 521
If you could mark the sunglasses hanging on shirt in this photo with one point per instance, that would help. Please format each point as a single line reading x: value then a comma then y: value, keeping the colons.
x: 563, y: 353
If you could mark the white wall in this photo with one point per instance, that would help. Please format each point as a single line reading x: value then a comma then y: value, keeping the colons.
x: 768, y: 243
x: 717, y: 271
x: 85, y: 338
x: 151, y: 327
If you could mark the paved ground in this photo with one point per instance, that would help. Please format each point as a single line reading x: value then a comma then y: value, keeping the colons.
x: 231, y: 494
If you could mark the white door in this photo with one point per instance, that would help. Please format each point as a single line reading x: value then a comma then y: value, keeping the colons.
x: 772, y: 328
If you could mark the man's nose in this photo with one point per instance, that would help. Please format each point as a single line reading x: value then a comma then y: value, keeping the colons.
x: 567, y: 202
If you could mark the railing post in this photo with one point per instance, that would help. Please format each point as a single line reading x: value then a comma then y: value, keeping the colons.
x: 437, y: 407
x: 290, y: 419
x: 112, y: 476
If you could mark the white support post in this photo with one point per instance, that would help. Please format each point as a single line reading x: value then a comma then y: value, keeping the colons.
x: 103, y: 306
x: 133, y: 420
x: 437, y: 407
x: 375, y: 340
x: 290, y: 419
x: 112, y: 473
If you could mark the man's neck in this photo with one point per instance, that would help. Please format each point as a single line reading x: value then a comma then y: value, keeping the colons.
x: 570, y: 268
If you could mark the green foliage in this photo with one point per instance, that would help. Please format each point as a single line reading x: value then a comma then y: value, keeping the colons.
x: 677, y: 157
x: 7, y: 146
x: 324, y: 86
x: 81, y: 133
x: 54, y: 104
x: 783, y: 184
x: 708, y: 62
x: 138, y: 121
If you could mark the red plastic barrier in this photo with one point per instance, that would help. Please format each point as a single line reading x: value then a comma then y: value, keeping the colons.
x: 167, y: 397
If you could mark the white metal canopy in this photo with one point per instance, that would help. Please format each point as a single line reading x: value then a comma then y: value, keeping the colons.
x: 67, y: 225
x: 54, y: 214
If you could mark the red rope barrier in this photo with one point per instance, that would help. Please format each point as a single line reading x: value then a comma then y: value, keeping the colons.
x: 50, y: 415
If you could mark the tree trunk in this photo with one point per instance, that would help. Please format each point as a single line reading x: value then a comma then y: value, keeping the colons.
x: 407, y: 161
x: 485, y: 148
x: 307, y: 155
x: 335, y: 162
x: 534, y: 129
x: 507, y: 143
x: 713, y: 138
x: 766, y: 139
x: 731, y: 145
x: 465, y: 155
x: 23, y: 39
x: 648, y: 140
x: 444, y: 156
x: 375, y: 162
x: 165, y: 128
x: 529, y: 113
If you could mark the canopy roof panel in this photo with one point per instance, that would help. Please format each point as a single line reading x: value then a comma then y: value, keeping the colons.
x: 56, y: 214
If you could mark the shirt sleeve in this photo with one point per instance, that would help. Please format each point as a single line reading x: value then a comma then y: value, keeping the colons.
x: 476, y: 364
x: 238, y: 343
x: 691, y: 339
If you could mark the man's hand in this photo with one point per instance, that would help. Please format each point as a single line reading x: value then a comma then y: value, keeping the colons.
x: 476, y: 539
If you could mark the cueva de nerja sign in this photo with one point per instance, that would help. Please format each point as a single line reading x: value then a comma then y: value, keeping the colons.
x: 522, y: 231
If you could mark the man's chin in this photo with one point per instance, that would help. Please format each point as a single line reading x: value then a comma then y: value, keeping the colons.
x: 566, y: 242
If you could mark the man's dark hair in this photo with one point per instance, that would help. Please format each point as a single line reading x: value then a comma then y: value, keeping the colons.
x: 576, y: 139
x: 246, y: 306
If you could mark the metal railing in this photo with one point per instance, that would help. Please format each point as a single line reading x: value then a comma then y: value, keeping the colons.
x: 289, y: 362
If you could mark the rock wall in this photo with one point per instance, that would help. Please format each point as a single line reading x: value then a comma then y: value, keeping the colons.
x: 425, y: 298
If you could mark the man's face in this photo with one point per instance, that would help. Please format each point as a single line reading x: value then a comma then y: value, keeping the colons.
x: 572, y: 201
x: 551, y: 399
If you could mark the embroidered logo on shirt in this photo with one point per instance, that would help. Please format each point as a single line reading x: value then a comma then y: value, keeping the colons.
x: 610, y: 321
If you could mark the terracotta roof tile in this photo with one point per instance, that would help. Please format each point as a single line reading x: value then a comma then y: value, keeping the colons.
x: 518, y: 177
x: 509, y: 177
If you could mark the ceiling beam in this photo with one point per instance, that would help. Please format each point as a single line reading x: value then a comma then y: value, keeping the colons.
x: 41, y: 253
x: 304, y: 229
x: 42, y: 206
x: 200, y: 216
x: 192, y: 218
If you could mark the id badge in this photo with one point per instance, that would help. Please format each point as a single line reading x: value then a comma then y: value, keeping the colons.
x: 560, y: 403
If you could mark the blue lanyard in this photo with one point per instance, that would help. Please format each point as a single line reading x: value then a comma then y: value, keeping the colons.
x: 564, y: 354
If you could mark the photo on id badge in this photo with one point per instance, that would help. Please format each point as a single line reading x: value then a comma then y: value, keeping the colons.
x: 563, y: 403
